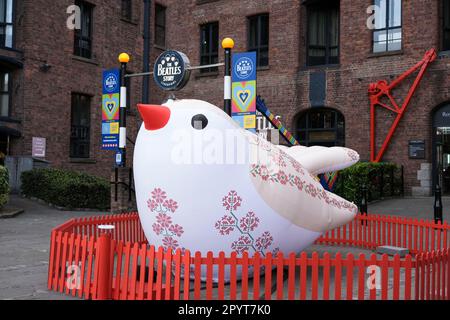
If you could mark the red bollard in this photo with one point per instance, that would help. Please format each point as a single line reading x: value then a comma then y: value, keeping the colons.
x: 104, y: 280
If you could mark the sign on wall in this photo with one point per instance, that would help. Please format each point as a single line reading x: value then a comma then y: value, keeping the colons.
x: 171, y: 71
x: 38, y: 147
x: 243, y: 95
x: 110, y: 109
x: 417, y: 149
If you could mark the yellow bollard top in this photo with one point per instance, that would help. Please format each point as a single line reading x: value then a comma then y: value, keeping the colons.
x: 124, y: 58
x: 228, y: 43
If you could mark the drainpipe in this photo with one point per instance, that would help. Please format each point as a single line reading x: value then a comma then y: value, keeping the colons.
x: 146, y: 62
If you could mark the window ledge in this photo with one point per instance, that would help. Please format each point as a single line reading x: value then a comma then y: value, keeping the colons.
x: 86, y: 60
x: 8, y: 119
x: 205, y: 1
x: 263, y: 68
x: 385, y: 54
x: 130, y: 21
x: 321, y: 67
x: 159, y: 47
x: 11, y: 49
x: 83, y: 160
x: 213, y: 74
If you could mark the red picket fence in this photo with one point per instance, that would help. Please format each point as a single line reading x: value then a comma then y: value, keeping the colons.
x: 121, y: 265
x: 371, y: 231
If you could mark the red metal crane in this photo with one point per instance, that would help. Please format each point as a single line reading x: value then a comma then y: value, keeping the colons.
x: 381, y: 89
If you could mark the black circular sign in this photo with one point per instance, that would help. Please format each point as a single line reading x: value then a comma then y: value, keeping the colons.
x: 171, y: 70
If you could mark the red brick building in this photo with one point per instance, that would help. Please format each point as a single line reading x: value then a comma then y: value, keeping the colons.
x: 51, y: 77
x: 316, y: 60
x: 319, y: 58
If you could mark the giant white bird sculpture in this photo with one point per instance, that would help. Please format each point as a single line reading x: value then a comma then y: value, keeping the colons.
x: 205, y: 184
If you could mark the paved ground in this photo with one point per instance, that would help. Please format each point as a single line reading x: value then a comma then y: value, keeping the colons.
x: 24, y: 242
x: 421, y: 208
x: 24, y: 245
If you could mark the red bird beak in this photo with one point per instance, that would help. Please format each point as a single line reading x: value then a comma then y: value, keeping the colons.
x: 155, y: 117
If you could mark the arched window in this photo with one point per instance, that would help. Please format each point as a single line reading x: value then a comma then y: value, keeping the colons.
x: 321, y: 127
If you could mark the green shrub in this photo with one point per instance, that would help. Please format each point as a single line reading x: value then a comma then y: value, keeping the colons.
x: 381, y: 180
x: 67, y: 189
x: 4, y: 186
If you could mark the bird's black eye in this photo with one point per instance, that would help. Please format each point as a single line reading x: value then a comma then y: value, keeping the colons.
x: 199, y: 122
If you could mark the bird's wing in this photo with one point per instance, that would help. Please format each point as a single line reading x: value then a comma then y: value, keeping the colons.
x: 292, y: 191
x: 321, y: 159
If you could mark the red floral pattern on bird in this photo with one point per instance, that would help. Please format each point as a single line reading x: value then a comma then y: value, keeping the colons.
x: 164, y: 227
x: 295, y: 180
x: 246, y: 226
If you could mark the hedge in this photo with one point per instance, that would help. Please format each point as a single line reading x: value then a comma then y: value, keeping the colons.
x: 4, y: 186
x: 68, y: 189
x: 381, y: 180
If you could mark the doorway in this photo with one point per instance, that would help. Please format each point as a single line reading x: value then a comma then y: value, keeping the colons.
x: 441, y: 148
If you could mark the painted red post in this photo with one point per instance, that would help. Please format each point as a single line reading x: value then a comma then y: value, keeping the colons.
x: 197, y: 273
x: 349, y: 277
x: 244, y: 281
x: 396, y: 279
x: 326, y: 276
x: 256, y: 275
x: 291, y: 276
x: 303, y: 274
x: 233, y: 276
x: 384, y: 277
x: 221, y: 284
x: 268, y: 276
x: 177, y: 280
x: 314, y: 275
x: 84, y: 245
x: 280, y: 266
x: 408, y: 277
x: 209, y: 275
x: 104, y: 265
x: 361, y: 273
x: 187, y: 276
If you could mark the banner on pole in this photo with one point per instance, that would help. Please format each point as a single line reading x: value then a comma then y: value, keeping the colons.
x: 110, y: 109
x: 243, y: 90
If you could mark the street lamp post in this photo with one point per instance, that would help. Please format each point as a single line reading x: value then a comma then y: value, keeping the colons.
x: 124, y: 58
x: 227, y: 45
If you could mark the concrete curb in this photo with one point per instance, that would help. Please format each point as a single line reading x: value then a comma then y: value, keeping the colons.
x: 11, y: 213
x: 40, y: 201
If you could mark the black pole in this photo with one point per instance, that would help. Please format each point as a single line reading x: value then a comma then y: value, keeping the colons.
x: 123, y: 115
x: 146, y: 57
x: 438, y: 205
x: 363, y: 204
x: 227, y: 88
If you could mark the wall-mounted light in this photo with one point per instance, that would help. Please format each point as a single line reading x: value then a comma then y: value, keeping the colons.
x: 45, y: 67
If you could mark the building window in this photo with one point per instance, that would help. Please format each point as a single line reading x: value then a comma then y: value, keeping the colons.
x: 258, y: 38
x: 160, y: 25
x: 209, y: 45
x: 323, y: 33
x: 6, y: 23
x: 446, y: 26
x: 387, y: 35
x: 321, y: 127
x: 83, y: 36
x: 5, y: 86
x: 127, y: 9
x: 80, y: 126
